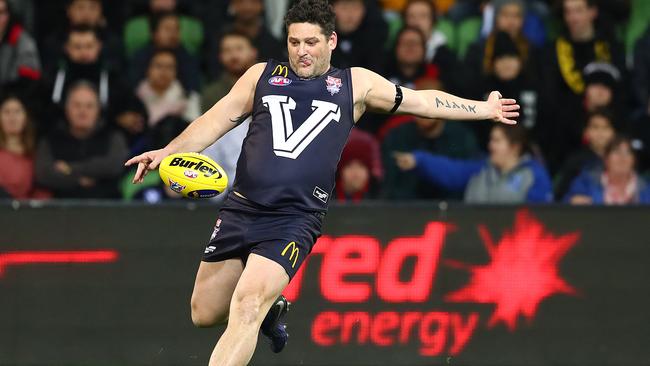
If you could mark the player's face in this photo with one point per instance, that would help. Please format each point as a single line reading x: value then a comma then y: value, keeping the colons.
x: 309, y: 50
x: 13, y: 117
x: 82, y: 109
x: 83, y: 48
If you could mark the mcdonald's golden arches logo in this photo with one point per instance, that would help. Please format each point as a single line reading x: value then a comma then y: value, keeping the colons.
x: 280, y: 70
x: 295, y: 252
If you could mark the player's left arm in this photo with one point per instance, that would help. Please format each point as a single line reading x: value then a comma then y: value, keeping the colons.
x: 373, y: 92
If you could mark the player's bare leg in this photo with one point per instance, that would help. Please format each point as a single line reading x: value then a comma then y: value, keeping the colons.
x: 258, y: 288
x: 215, y: 283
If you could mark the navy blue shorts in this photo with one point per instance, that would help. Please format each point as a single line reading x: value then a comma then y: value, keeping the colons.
x: 244, y: 227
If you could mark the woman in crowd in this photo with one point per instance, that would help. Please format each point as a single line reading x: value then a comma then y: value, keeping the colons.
x: 16, y: 151
x: 617, y: 183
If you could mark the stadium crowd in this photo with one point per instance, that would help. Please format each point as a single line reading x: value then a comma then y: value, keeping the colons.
x: 87, y: 83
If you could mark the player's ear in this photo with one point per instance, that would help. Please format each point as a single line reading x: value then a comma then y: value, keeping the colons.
x: 332, y: 41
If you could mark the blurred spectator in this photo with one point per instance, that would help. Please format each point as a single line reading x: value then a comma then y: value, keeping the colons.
x: 480, y: 57
x: 248, y: 18
x: 162, y: 93
x: 616, y: 184
x: 641, y: 77
x: 87, y: 13
x: 507, y: 74
x: 603, y: 88
x: 581, y: 43
x: 17, y: 139
x: 434, y: 136
x: 359, y: 170
x: 274, y: 15
x: 133, y: 122
x: 165, y: 28
x: 82, y: 158
x: 422, y: 14
x: 236, y: 54
x: 18, y: 53
x: 598, y: 133
x: 82, y: 60
x: 362, y: 36
x: 532, y: 14
x: 398, y: 5
x: 408, y: 63
x: 509, y: 175
x: 138, y: 30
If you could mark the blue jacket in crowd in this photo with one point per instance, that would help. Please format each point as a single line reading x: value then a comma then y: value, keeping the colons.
x: 483, y: 182
x: 589, y: 183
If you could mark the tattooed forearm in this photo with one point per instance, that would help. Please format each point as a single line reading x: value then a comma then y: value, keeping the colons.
x: 239, y: 120
x: 453, y: 105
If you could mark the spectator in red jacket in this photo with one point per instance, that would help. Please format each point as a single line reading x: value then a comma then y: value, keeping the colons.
x: 18, y: 52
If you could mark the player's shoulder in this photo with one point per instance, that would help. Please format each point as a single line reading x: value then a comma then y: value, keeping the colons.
x: 362, y: 80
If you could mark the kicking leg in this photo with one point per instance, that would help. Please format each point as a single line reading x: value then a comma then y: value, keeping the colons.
x: 260, y: 284
x: 213, y: 289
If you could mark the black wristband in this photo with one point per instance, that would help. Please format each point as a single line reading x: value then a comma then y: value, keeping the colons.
x: 398, y: 98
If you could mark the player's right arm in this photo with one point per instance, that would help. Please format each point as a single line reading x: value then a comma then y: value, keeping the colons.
x: 227, y: 113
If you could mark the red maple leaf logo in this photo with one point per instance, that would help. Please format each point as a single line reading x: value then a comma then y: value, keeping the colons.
x: 523, y: 271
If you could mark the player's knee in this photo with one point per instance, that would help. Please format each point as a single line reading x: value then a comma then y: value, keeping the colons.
x: 247, y: 308
x: 202, y: 318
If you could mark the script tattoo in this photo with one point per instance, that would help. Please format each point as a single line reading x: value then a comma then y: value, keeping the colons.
x: 453, y: 105
x: 239, y: 120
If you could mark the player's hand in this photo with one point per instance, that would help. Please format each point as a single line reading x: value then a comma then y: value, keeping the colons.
x: 404, y: 161
x: 502, y: 109
x: 146, y: 161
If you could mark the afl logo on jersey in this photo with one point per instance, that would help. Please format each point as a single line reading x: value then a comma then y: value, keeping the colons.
x: 279, y: 81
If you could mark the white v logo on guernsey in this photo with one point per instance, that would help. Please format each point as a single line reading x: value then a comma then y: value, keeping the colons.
x: 287, y: 142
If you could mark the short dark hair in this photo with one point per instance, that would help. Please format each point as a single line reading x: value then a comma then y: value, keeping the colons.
x: 604, y: 112
x: 516, y: 135
x: 82, y: 28
x: 312, y: 11
x: 157, y: 18
x: 236, y: 33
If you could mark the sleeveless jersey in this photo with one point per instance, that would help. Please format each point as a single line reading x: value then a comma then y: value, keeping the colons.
x: 295, y: 139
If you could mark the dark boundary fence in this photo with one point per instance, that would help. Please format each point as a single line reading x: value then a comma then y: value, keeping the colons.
x: 422, y: 284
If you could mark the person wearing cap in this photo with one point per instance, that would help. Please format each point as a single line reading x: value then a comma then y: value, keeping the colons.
x: 507, y: 72
x: 509, y: 19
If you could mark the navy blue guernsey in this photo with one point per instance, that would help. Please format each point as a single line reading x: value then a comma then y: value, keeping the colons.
x: 295, y: 139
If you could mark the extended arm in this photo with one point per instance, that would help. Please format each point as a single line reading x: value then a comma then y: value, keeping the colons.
x: 226, y: 114
x: 375, y: 93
